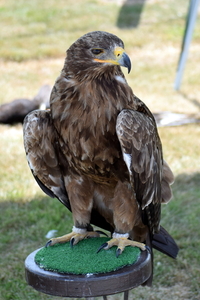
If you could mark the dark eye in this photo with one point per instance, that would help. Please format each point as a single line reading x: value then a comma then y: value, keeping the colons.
x: 97, y: 51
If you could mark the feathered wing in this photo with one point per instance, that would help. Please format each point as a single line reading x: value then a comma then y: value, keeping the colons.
x: 40, y: 142
x: 142, y: 153
x: 150, y: 175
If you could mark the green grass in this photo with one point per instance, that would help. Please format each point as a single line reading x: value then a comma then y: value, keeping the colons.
x: 24, y: 228
x: 52, y: 25
x: 34, y: 38
x: 83, y: 258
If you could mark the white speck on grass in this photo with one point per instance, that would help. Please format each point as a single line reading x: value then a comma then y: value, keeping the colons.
x: 51, y: 233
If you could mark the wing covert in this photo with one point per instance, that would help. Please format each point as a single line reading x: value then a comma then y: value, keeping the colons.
x: 40, y: 144
x: 142, y: 152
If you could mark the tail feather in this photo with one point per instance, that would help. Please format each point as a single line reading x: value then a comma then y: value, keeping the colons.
x: 163, y: 242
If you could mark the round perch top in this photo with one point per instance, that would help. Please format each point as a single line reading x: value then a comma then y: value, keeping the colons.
x: 132, y: 268
x: 83, y: 258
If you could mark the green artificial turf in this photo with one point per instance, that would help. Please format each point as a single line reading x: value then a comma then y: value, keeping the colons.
x: 83, y: 257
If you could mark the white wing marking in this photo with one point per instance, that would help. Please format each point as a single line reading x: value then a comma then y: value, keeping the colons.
x: 127, y: 158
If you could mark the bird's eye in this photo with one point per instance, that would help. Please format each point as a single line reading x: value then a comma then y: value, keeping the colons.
x: 97, y: 51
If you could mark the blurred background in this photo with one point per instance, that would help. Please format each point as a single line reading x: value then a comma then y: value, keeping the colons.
x: 34, y: 36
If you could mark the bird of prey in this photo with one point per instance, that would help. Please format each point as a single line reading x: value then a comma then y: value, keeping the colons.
x: 98, y: 150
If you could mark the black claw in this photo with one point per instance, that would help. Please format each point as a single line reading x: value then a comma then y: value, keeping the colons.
x: 118, y: 252
x: 48, y: 243
x: 102, y: 246
x: 72, y: 242
x: 101, y: 232
x: 148, y: 249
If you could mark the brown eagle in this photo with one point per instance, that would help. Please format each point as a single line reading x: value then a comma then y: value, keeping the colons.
x: 98, y: 150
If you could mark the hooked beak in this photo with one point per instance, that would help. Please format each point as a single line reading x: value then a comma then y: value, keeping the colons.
x: 119, y: 57
x: 125, y: 61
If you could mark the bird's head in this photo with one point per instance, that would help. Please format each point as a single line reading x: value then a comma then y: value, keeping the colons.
x: 97, y: 50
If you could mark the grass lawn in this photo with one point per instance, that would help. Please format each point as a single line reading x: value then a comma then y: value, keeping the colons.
x: 34, y: 38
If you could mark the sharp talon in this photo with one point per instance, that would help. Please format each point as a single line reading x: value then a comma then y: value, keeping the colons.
x: 148, y: 249
x: 102, y: 246
x: 48, y: 243
x: 118, y: 252
x: 72, y: 242
x: 101, y: 232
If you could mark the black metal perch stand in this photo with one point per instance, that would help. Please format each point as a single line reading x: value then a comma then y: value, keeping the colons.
x: 89, y: 285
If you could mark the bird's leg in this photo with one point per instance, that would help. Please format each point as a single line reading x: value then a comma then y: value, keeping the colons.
x: 126, y: 215
x: 74, y: 237
x: 80, y: 191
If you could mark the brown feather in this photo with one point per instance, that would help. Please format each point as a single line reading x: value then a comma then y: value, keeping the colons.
x: 99, y: 146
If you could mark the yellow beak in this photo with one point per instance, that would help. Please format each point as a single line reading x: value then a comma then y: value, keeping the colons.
x: 119, y: 58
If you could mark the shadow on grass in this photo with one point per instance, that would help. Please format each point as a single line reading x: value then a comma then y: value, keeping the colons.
x: 23, y: 229
x: 182, y: 213
x: 130, y: 13
x: 181, y: 218
x: 24, y: 226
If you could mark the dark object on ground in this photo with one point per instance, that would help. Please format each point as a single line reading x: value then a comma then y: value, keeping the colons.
x: 15, y: 111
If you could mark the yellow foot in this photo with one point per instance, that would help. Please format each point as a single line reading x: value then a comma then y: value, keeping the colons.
x: 74, y: 237
x: 122, y: 241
